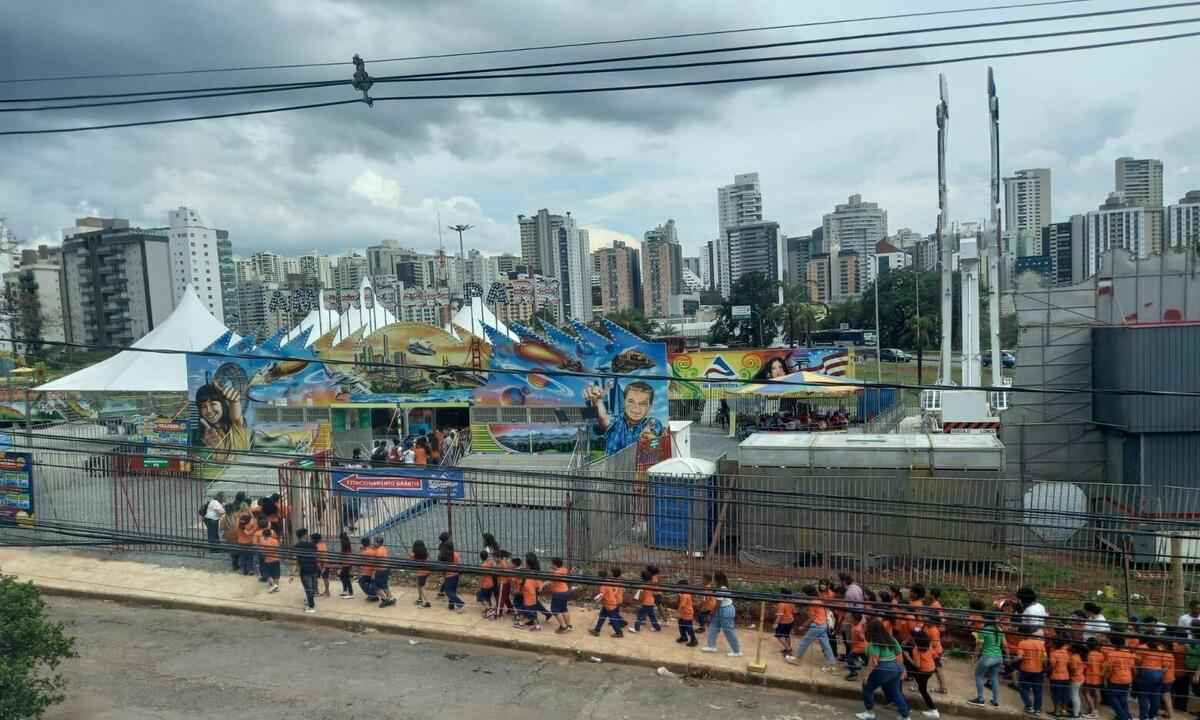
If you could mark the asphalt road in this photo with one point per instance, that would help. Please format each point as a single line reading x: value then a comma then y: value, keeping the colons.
x: 139, y: 663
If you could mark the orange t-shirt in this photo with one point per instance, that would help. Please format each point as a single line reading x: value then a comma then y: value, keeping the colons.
x: 1168, y: 668
x: 420, y: 457
x: 1075, y: 666
x: 529, y: 592
x: 457, y: 560
x: 935, y: 639
x: 1094, y: 672
x: 858, y: 638
x: 1033, y: 651
x: 486, y: 581
x: 1120, y: 666
x: 514, y: 584
x: 246, y: 533
x: 1179, y: 654
x: 560, y: 586
x: 322, y: 548
x: 647, y: 597
x: 1151, y: 660
x: 924, y: 659
x: 817, y: 613
x: 1060, y: 664
x: 686, y: 611
x: 270, y: 549
x: 710, y: 601
x: 611, y: 597
x: 785, y: 613
x: 380, y: 552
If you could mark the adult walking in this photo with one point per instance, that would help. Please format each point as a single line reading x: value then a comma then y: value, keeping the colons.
x: 307, y: 568
x: 724, y: 620
x: 884, y: 671
x: 989, y: 656
x: 214, y: 513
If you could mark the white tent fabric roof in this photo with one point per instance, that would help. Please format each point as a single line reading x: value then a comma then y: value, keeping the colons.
x: 319, y: 322
x: 474, y: 316
x: 189, y: 327
x: 357, y: 318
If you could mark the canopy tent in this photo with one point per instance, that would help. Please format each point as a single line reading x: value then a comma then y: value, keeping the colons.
x: 317, y: 322
x: 803, y: 384
x: 189, y: 327
x: 474, y: 317
x: 367, y: 314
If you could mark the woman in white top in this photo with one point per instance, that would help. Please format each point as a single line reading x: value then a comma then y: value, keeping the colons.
x: 724, y: 619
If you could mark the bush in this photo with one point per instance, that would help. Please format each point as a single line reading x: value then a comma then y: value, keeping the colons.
x: 31, y: 649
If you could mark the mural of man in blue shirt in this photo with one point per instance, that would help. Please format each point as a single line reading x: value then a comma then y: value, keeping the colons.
x: 634, y: 424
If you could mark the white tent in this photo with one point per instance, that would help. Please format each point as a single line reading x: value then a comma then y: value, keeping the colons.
x: 318, y: 322
x: 189, y: 327
x: 357, y: 318
x: 474, y: 316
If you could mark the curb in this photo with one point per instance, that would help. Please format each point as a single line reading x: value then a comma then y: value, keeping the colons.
x: 683, y: 669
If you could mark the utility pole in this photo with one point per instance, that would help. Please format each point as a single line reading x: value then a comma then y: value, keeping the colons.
x: 878, y: 330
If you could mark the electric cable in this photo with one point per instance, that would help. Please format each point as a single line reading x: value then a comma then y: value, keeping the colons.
x: 558, y: 46
x: 445, y: 77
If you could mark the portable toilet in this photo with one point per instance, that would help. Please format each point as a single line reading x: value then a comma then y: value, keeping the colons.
x: 682, y: 495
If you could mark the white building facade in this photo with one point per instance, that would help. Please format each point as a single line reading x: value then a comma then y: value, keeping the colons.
x: 1116, y: 224
x: 195, y: 259
x: 1183, y: 221
x: 739, y: 203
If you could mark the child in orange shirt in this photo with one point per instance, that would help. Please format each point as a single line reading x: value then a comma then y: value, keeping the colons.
x: 487, y: 583
x: 646, y: 610
x: 610, y: 597
x: 1076, y: 666
x: 269, y: 546
x: 560, y: 593
x: 514, y: 589
x: 1118, y: 673
x: 708, y: 605
x: 785, y: 620
x: 816, y: 629
x: 530, y: 589
x: 1060, y: 676
x: 921, y: 658
x: 1093, y: 676
x: 857, y: 656
x: 1031, y: 651
x: 686, y: 615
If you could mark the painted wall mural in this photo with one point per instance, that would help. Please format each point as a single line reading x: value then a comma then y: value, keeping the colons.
x: 755, y: 364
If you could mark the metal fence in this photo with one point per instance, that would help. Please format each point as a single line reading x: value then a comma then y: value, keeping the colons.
x: 768, y: 525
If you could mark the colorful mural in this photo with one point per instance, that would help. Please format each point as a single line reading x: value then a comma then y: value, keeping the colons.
x: 619, y: 410
x: 230, y: 391
x: 414, y: 344
x: 755, y: 364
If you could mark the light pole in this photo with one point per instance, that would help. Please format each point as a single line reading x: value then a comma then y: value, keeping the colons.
x: 878, y: 332
x: 462, y: 257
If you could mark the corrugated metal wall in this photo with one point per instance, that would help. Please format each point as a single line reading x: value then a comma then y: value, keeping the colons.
x: 1147, y: 358
x: 1170, y: 459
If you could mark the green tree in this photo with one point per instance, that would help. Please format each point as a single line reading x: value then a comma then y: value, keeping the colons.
x: 761, y: 294
x: 31, y: 650
x: 797, y: 315
x: 634, y: 321
x: 711, y: 297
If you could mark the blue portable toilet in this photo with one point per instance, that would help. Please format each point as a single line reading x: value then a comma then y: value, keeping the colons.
x: 682, y: 495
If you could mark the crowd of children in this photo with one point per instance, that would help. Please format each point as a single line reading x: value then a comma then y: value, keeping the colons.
x: 885, y: 638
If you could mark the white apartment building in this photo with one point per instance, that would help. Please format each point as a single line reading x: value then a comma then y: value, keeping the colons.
x: 739, y: 203
x: 1183, y: 221
x: 1116, y: 224
x: 268, y: 266
x: 195, y: 259
x: 1028, y: 201
x: 1140, y: 182
x: 854, y: 226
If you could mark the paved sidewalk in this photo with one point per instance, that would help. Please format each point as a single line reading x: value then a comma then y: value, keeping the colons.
x: 225, y: 592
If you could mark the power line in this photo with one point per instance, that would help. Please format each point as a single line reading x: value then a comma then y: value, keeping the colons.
x: 619, y: 88
x: 1047, y: 390
x: 593, y: 71
x: 628, y: 58
x: 559, y: 46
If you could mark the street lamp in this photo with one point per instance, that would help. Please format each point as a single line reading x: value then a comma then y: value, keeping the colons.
x: 462, y: 256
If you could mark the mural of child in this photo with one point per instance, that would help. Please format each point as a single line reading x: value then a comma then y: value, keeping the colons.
x: 635, y: 422
x: 221, y: 421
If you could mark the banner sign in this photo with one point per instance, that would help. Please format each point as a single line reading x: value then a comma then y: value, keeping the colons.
x: 400, y: 481
x: 16, y: 484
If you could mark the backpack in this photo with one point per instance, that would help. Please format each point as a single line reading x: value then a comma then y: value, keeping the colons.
x: 204, y: 508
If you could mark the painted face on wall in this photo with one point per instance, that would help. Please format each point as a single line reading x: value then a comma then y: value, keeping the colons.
x: 637, y: 405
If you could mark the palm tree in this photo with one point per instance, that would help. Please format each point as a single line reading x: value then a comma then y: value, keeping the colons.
x: 797, y: 315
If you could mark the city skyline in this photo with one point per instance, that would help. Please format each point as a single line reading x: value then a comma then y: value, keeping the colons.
x: 336, y: 180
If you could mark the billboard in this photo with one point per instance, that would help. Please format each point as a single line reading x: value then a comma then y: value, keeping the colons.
x: 712, y: 366
x: 434, y: 359
x: 16, y: 484
x: 414, y: 481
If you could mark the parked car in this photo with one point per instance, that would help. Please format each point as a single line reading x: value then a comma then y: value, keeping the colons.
x: 1007, y: 359
x: 894, y: 355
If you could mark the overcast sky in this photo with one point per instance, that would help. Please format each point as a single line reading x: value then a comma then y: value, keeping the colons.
x: 342, y: 178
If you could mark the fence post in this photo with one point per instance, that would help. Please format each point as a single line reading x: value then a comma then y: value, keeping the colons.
x: 1177, y: 571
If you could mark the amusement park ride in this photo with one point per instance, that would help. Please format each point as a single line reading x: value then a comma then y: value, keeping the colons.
x: 974, y: 408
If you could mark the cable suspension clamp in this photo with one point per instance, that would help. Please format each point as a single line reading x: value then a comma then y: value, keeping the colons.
x: 362, y: 81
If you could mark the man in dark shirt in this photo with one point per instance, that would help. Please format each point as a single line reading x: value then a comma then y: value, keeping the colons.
x: 308, y: 568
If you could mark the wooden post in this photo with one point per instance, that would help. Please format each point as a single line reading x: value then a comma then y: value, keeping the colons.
x: 1177, y: 586
x: 758, y: 666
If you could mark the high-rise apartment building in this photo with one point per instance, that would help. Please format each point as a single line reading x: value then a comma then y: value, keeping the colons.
x: 117, y: 281
x: 848, y: 268
x: 817, y: 274
x: 739, y: 203
x: 662, y: 272
x: 539, y: 241
x: 268, y: 266
x: 799, y: 252
x: 693, y: 264
x: 229, y: 281
x: 34, y: 293
x: 755, y: 247
x: 1140, y: 182
x: 553, y: 246
x: 482, y: 269
x: 620, y: 278
x: 1028, y: 201
x: 1064, y: 246
x: 854, y: 226
x: 316, y: 269
x: 349, y: 272
x: 1183, y: 222
x: 508, y: 264
x: 714, y: 255
x: 1118, y: 223
x: 196, y: 259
